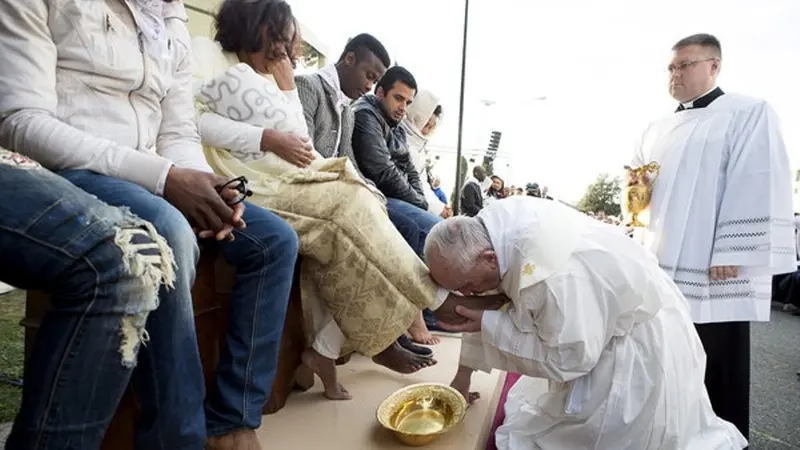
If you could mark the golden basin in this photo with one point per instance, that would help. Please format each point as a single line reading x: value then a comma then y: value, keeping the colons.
x: 420, y: 413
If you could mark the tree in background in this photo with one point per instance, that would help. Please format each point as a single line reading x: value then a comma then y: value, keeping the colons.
x: 602, y: 195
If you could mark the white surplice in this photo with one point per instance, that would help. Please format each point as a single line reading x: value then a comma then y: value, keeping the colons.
x: 593, y: 313
x: 723, y: 198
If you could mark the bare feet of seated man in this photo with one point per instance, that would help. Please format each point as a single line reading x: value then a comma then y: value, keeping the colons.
x: 395, y: 358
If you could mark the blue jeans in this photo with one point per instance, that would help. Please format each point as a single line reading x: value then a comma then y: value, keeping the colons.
x: 414, y: 224
x: 103, y: 268
x: 264, y: 256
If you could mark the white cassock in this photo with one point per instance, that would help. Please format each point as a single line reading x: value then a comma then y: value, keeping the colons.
x: 593, y: 313
x: 723, y: 198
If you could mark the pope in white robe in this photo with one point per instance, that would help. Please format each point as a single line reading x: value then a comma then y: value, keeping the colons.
x: 591, y: 312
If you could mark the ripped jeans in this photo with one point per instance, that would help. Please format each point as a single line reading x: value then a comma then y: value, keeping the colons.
x: 103, y: 268
x: 263, y: 255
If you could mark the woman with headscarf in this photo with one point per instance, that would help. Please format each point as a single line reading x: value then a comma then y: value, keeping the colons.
x: 362, y: 285
x: 422, y: 118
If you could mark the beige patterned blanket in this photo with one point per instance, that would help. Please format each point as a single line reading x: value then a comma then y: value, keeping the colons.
x: 354, y: 260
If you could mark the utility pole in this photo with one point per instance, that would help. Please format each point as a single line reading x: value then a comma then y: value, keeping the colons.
x: 459, y: 169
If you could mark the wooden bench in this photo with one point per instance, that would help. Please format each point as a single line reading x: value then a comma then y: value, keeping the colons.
x: 210, y: 297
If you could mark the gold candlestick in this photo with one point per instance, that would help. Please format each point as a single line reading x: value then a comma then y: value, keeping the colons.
x: 639, y: 191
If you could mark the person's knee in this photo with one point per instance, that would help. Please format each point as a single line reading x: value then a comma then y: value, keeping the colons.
x: 147, y: 264
x: 286, y: 243
x: 174, y: 227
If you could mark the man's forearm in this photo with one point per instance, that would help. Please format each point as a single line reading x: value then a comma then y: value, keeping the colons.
x: 58, y: 146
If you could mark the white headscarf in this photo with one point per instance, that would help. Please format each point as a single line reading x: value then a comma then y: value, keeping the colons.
x: 150, y: 19
x: 418, y: 114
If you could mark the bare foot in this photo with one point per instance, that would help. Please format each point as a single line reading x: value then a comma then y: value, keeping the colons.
x: 461, y: 383
x: 401, y: 360
x: 241, y: 439
x: 326, y: 370
x: 304, y: 378
x: 419, y: 332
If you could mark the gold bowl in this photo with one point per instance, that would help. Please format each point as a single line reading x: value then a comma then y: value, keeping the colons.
x: 420, y: 413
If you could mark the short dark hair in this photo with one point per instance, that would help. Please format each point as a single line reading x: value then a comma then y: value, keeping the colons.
x: 393, y: 75
x: 366, y: 43
x: 703, y: 40
x: 438, y: 111
x: 239, y: 24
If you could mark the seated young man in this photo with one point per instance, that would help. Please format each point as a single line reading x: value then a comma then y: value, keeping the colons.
x: 327, y: 94
x: 326, y: 97
x: 101, y: 93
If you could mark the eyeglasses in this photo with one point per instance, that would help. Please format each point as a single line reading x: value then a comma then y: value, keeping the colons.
x: 686, y: 65
x: 239, y: 185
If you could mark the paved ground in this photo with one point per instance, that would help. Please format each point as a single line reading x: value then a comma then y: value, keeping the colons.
x: 5, y: 428
x: 775, y: 395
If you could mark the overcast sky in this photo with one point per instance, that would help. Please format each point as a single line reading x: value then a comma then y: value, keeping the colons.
x: 601, y: 65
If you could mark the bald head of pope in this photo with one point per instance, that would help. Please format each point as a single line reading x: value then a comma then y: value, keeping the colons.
x: 460, y: 256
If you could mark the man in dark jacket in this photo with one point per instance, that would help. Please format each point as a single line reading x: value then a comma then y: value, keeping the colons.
x: 379, y: 144
x: 380, y: 148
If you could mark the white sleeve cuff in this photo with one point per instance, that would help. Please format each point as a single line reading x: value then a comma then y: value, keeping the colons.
x: 490, y: 323
x: 441, y: 296
x: 252, y: 140
x: 162, y: 181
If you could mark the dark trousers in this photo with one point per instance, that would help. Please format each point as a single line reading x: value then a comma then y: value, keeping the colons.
x: 727, y: 347
x: 786, y: 288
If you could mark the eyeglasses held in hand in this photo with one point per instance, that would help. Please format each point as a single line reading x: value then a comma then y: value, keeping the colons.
x: 238, y: 184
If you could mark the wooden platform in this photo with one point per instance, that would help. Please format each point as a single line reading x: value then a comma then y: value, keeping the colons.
x: 310, y: 421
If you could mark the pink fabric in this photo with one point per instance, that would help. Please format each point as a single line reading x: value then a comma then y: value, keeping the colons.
x: 500, y: 414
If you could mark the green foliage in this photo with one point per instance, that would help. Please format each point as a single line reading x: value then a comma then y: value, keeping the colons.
x: 12, y: 309
x: 602, y: 195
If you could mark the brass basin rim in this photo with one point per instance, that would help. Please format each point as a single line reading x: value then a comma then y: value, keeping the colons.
x: 459, y: 416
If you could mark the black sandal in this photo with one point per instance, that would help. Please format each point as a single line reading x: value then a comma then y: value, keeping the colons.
x: 406, y: 343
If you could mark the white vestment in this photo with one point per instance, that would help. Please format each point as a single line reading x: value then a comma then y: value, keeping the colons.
x: 593, y: 313
x: 723, y: 197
